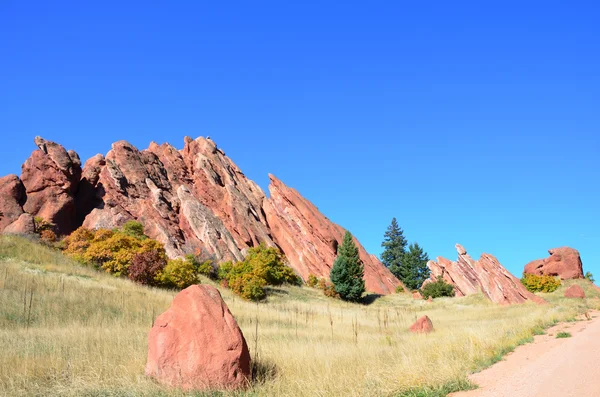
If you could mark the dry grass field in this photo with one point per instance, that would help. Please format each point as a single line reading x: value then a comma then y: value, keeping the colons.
x: 68, y: 330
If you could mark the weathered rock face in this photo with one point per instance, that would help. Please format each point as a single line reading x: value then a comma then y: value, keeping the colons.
x: 575, y: 291
x: 310, y: 240
x: 563, y: 262
x: 12, y: 193
x: 197, y: 345
x: 486, y: 275
x: 23, y: 225
x: 194, y: 199
x: 422, y: 325
x: 51, y: 177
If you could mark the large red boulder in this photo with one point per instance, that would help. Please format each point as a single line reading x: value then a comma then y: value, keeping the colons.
x: 310, y: 240
x: 25, y: 224
x: 563, y: 262
x: 197, y: 344
x: 422, y: 325
x: 486, y: 275
x: 575, y: 291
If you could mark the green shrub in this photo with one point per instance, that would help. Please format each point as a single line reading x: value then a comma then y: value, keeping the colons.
x: 562, y: 335
x: 42, y: 225
x: 535, y: 283
x: 399, y: 289
x: 178, y: 273
x: 262, y: 266
x: 134, y: 229
x: 589, y: 276
x: 312, y: 281
x: 437, y: 289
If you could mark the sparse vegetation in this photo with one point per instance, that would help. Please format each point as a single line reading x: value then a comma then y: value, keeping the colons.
x: 535, y: 283
x: 562, y: 335
x: 86, y: 334
x: 437, y: 289
x: 589, y: 276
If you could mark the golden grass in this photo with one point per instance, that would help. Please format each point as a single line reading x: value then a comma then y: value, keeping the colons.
x: 69, y: 330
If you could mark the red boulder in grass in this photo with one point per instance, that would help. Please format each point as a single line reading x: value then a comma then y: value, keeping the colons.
x: 423, y: 325
x: 575, y: 291
x: 197, y: 344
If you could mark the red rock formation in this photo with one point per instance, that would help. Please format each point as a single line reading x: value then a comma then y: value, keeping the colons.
x: 51, y: 177
x: 310, y: 240
x: 487, y: 275
x: 575, y: 291
x: 194, y: 199
x: 25, y: 224
x: 197, y: 344
x: 422, y: 325
x: 563, y: 262
x: 12, y: 193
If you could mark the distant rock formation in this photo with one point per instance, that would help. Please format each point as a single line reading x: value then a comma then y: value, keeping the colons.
x: 197, y: 344
x: 563, y: 262
x: 485, y: 275
x: 310, y: 240
x: 194, y: 199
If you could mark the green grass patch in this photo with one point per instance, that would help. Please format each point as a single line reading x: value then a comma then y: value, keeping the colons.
x: 562, y: 335
x: 439, y: 391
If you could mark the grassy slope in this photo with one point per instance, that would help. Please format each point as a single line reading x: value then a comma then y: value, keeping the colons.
x: 85, y: 334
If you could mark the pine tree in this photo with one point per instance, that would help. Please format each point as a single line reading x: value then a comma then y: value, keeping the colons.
x: 394, y: 245
x: 414, y: 270
x: 348, y: 271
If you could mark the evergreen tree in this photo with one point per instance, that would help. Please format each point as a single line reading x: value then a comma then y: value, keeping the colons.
x: 348, y: 271
x: 414, y: 270
x: 394, y: 245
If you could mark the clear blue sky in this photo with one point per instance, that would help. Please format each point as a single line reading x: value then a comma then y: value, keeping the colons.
x: 471, y: 122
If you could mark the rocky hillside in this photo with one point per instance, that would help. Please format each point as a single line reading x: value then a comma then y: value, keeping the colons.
x: 190, y: 199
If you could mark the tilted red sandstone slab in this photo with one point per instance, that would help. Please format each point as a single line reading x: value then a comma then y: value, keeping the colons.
x: 310, y: 240
x: 487, y: 275
x: 563, y: 262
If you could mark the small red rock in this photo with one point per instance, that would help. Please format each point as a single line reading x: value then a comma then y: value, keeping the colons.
x: 417, y: 295
x: 430, y: 299
x: 575, y: 291
x: 23, y: 225
x: 423, y: 325
x: 197, y: 344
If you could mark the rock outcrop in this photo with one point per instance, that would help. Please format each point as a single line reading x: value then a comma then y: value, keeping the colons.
x: 422, y: 326
x: 575, y: 291
x: 51, y: 177
x: 191, y: 200
x: 487, y: 275
x: 563, y: 262
x: 13, y: 196
x: 197, y: 344
x: 310, y: 240
x: 25, y: 224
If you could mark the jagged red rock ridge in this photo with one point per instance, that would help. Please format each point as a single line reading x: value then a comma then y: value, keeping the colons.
x: 486, y: 275
x: 189, y: 200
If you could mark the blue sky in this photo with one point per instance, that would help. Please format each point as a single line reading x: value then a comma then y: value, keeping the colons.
x: 471, y: 122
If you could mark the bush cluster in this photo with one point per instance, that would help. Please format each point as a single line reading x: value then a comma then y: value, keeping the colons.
x: 129, y: 252
x: 535, y: 283
x: 262, y: 266
x: 437, y: 289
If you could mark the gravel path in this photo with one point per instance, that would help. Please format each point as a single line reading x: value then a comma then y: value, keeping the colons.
x: 548, y: 367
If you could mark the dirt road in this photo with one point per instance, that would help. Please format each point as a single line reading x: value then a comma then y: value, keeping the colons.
x: 548, y: 367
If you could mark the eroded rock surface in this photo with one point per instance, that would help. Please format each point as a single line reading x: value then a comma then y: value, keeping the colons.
x: 310, y: 240
x: 422, y: 325
x: 563, y: 262
x: 197, y: 344
x: 575, y: 291
x: 51, y: 177
x: 469, y: 276
x: 12, y: 194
